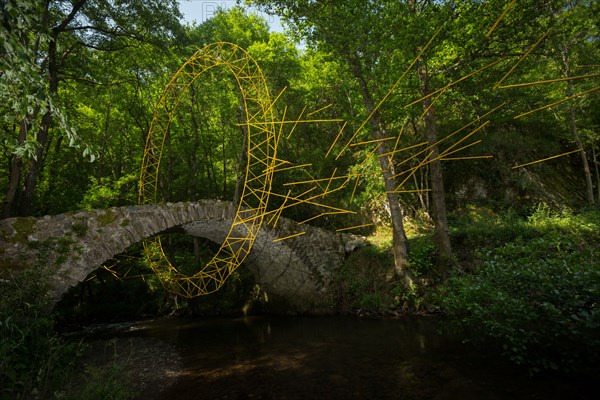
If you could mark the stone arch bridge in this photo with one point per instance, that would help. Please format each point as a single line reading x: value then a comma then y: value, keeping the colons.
x: 295, y: 272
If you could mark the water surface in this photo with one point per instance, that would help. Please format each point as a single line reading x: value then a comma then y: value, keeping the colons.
x: 340, y: 358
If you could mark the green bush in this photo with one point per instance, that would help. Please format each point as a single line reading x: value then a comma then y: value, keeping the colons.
x: 422, y: 255
x: 34, y: 360
x: 106, y: 384
x: 361, y: 283
x: 538, y: 297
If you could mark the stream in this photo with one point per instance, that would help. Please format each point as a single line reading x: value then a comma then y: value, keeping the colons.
x: 326, y: 358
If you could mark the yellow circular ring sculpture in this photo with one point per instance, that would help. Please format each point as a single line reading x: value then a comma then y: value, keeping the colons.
x: 261, y: 156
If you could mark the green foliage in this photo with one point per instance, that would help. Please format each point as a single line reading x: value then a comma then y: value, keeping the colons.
x: 34, y: 360
x: 239, y: 295
x: 125, y: 289
x: 537, y: 294
x: 80, y: 228
x: 106, y: 192
x: 23, y: 228
x: 361, y: 282
x: 236, y: 296
x: 422, y: 255
x: 408, y: 299
x: 105, y: 383
x: 107, y: 217
x: 23, y: 90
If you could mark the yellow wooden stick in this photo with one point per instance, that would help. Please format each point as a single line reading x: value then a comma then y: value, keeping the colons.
x: 336, y: 139
x: 314, y: 180
x: 368, y: 156
x: 489, y: 32
x: 279, y: 210
x: 414, y: 170
x: 403, y: 149
x: 411, y: 191
x: 431, y: 104
x: 557, y: 102
x: 353, y: 227
x: 274, y: 101
x: 442, y: 155
x: 294, y: 127
x: 320, y: 109
x: 292, y: 167
x: 330, y: 179
x: 465, y: 158
x: 320, y: 215
x: 355, y: 186
x: 373, y: 141
x: 391, y: 156
x: 548, y: 81
x: 443, y: 89
x: 447, y: 151
x: 376, y: 108
x: 536, y: 44
x: 281, y: 126
x: 546, y: 159
x: 295, y: 122
x: 289, y: 237
x: 454, y: 133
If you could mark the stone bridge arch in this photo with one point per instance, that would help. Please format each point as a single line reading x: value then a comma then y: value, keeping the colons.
x: 296, y: 271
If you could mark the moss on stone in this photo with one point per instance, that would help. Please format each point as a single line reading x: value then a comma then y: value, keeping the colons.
x: 23, y: 228
x: 80, y: 228
x: 10, y: 265
x: 106, y: 217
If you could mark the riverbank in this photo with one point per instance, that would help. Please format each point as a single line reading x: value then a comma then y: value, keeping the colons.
x: 145, y: 366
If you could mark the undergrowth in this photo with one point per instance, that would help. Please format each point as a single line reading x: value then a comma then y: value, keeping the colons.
x: 35, y: 361
x: 528, y: 285
x: 534, y: 287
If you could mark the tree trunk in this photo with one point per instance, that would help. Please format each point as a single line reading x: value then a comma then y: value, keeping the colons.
x: 14, y: 179
x: 595, y: 159
x: 438, y: 201
x: 400, y: 242
x: 35, y: 164
x: 101, y: 156
x: 168, y: 181
x: 423, y: 196
x: 589, y: 186
x: 34, y: 167
x: 193, y: 156
x: 197, y: 250
x: 224, y: 157
x: 242, y: 160
x: 13, y: 184
x: 420, y: 187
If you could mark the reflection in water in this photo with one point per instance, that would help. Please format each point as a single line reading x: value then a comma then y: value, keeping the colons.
x: 338, y: 358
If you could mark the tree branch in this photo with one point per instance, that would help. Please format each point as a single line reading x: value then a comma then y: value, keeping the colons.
x: 63, y: 25
x: 91, y: 82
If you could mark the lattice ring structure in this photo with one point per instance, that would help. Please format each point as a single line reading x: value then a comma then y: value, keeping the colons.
x: 261, y: 156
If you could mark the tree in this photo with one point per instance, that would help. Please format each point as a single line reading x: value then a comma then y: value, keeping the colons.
x: 44, y: 42
x: 219, y: 105
x: 576, y: 33
x: 438, y: 201
x: 355, y: 31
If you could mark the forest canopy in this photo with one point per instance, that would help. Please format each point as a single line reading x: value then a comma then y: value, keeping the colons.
x: 80, y: 79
